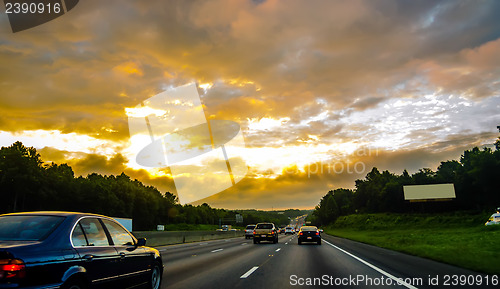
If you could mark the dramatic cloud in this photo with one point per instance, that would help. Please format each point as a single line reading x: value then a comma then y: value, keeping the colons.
x: 308, y: 81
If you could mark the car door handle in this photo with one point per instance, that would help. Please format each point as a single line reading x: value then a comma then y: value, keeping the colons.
x: 88, y: 258
x: 122, y: 255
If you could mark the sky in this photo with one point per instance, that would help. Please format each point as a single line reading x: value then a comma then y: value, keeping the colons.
x: 322, y: 90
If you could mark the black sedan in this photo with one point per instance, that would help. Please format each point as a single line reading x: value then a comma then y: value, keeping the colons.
x: 73, y: 251
x: 309, y: 234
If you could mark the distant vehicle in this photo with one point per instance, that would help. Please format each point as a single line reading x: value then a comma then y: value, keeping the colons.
x: 282, y: 230
x: 265, y: 232
x: 75, y: 251
x: 494, y: 219
x: 226, y: 228
x: 309, y: 234
x: 289, y: 230
x: 249, y: 231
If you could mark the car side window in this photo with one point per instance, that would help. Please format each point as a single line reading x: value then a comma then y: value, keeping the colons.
x: 119, y: 235
x: 78, y: 238
x: 94, y: 232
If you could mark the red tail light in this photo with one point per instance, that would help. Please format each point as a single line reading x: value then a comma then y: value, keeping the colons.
x: 12, y: 268
x: 254, y: 232
x: 317, y: 233
x: 300, y: 233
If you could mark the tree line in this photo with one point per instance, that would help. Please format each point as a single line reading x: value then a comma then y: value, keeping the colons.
x: 476, y: 178
x: 29, y: 184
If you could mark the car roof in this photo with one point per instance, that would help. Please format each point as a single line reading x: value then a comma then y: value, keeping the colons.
x: 308, y: 228
x: 52, y: 213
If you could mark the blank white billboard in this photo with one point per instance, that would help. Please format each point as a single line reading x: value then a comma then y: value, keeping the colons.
x: 429, y: 192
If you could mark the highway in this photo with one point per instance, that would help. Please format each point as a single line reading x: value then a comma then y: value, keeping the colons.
x: 340, y: 263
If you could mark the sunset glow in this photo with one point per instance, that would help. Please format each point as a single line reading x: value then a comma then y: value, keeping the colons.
x: 344, y: 84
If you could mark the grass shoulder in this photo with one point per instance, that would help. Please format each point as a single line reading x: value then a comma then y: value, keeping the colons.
x: 460, y: 239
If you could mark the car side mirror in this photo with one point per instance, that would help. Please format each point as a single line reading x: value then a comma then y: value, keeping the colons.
x: 141, y: 242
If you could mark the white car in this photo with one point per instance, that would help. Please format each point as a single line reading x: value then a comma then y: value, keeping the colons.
x: 493, y: 220
x: 249, y: 231
x: 289, y: 230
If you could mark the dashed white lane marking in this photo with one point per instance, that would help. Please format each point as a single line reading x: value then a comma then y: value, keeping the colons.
x: 244, y: 244
x: 249, y: 272
x: 203, y: 244
x: 277, y: 250
x: 216, y: 250
x: 399, y: 280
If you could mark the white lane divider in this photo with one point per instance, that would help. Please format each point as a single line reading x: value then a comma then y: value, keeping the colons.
x: 277, y: 250
x: 201, y: 244
x: 244, y: 244
x: 244, y: 276
x: 399, y: 280
x: 217, y: 250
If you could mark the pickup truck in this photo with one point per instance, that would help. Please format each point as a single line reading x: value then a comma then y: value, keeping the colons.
x: 265, y: 232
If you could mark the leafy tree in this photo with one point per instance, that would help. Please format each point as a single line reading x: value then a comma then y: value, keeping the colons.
x: 20, y: 177
x: 344, y: 199
x: 424, y: 176
x: 327, y: 211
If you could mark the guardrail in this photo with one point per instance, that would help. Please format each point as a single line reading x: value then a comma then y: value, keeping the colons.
x: 160, y: 238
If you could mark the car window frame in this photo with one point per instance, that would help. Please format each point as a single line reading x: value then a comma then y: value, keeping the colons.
x: 108, y: 238
x: 84, y: 235
x: 108, y: 235
x: 120, y: 225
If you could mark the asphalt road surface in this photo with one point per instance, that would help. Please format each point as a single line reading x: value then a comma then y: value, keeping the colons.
x: 337, y: 263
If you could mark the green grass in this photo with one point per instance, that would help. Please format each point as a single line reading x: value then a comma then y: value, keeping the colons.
x: 460, y: 239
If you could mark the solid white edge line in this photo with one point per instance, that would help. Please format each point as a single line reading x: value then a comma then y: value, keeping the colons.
x: 400, y: 281
x: 217, y: 250
x: 249, y: 272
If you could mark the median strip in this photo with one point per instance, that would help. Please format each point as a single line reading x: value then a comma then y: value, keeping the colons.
x: 244, y: 276
x: 399, y: 280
